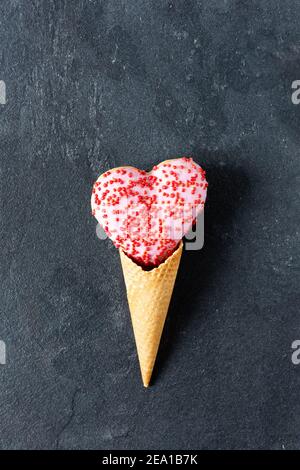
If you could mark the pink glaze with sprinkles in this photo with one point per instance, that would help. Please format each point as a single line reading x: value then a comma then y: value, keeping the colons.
x: 147, y: 214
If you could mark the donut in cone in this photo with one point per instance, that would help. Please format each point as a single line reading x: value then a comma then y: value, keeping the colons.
x: 146, y: 215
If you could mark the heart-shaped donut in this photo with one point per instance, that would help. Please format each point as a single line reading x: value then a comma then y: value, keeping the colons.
x: 147, y: 214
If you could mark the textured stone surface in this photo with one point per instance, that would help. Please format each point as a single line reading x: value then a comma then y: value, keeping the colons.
x: 95, y: 84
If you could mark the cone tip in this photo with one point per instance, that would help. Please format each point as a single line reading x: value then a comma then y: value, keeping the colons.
x: 146, y: 380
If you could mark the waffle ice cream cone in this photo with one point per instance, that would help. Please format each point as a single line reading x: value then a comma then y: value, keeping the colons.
x: 149, y: 294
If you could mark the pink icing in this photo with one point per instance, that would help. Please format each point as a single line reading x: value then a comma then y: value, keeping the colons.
x: 147, y: 214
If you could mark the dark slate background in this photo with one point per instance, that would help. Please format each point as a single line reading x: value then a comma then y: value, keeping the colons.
x: 97, y: 84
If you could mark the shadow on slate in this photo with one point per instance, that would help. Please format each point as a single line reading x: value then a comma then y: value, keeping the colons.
x: 227, y: 186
